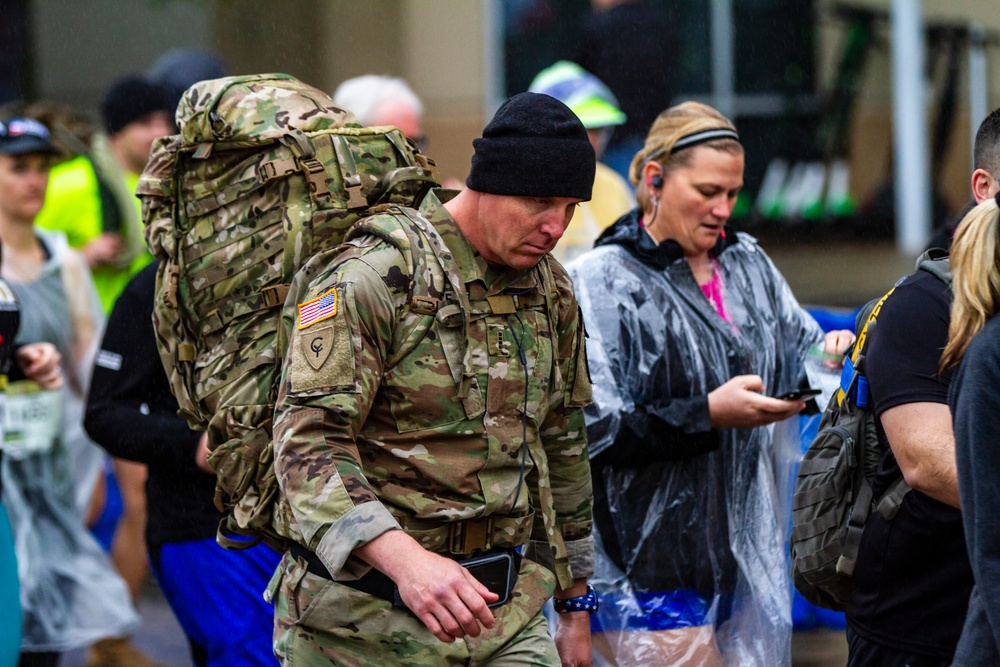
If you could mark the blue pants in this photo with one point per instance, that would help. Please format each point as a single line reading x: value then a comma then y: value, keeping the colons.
x: 10, y: 596
x: 217, y: 596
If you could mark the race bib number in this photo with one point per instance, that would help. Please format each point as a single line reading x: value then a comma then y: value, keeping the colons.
x: 32, y: 419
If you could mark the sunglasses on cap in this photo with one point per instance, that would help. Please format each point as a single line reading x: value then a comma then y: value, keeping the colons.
x: 20, y: 136
x: 19, y: 127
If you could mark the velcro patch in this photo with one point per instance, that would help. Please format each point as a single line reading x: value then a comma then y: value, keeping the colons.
x: 316, y: 310
x: 323, y: 356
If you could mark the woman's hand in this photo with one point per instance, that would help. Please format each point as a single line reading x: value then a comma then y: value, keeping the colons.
x: 836, y: 342
x: 739, y: 403
x: 103, y: 249
x: 40, y: 362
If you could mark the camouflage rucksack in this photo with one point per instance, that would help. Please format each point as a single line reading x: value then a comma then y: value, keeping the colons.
x: 265, y: 173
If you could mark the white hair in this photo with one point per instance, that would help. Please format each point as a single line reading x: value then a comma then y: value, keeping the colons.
x: 364, y: 95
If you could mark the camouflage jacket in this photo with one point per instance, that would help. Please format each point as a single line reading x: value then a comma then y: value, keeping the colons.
x: 367, y: 441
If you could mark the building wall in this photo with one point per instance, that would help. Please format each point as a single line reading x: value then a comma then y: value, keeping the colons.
x: 81, y: 46
x: 436, y: 46
x: 257, y: 36
x: 442, y: 47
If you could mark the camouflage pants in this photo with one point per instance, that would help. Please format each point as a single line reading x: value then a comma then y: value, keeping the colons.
x: 319, y: 622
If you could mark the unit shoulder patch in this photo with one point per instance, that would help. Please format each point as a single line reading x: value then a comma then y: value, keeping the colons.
x: 323, y: 356
x: 316, y: 346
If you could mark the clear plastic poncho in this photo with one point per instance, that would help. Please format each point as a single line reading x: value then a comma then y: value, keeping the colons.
x: 71, y: 594
x: 691, y: 546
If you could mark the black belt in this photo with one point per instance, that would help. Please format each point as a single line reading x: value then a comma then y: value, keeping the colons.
x: 375, y: 582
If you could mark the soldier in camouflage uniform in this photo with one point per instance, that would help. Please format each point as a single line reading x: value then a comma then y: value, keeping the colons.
x: 430, y: 411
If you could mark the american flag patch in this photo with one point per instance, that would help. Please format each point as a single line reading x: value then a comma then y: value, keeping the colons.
x: 320, y: 308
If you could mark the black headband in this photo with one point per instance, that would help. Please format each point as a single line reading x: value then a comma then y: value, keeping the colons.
x: 696, y: 138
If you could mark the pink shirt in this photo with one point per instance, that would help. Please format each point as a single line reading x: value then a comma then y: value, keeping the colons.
x: 713, y: 292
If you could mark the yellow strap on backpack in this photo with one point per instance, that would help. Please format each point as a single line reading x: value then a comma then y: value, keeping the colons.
x: 859, y: 344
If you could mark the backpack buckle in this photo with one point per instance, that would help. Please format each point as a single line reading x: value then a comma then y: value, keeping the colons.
x: 315, y: 174
x: 275, y: 168
x: 274, y: 296
x: 355, y: 197
x: 170, y: 293
x: 424, y: 305
x: 266, y: 172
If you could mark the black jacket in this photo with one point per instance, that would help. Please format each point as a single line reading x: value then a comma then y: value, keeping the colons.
x: 132, y: 414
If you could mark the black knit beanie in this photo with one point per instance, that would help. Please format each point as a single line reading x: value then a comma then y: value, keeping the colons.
x: 130, y: 99
x: 534, y: 147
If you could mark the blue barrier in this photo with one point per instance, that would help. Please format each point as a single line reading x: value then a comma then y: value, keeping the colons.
x: 834, y: 318
x: 806, y: 616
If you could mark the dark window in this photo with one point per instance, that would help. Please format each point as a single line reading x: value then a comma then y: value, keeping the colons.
x: 13, y: 50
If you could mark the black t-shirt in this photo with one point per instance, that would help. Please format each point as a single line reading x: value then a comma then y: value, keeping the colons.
x: 912, y: 579
x: 132, y: 414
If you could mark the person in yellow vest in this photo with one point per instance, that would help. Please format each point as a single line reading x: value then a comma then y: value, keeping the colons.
x: 91, y: 198
x: 596, y: 107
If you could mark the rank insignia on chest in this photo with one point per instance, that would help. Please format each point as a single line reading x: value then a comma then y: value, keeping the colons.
x: 316, y: 310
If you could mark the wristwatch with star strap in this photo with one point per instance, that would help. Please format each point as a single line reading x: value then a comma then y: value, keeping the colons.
x: 587, y: 602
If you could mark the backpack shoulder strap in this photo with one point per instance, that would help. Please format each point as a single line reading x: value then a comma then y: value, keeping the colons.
x: 434, y: 292
x: 935, y: 262
x: 853, y: 382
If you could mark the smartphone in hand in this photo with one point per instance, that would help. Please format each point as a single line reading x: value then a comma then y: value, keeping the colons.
x: 797, y: 394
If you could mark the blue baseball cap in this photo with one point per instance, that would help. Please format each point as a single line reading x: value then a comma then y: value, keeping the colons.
x: 19, y: 136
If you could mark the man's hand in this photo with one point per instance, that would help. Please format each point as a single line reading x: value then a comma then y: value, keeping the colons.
x: 573, y: 630
x: 739, y: 404
x: 103, y: 249
x: 573, y: 639
x: 201, y: 454
x: 439, y: 591
x: 40, y: 362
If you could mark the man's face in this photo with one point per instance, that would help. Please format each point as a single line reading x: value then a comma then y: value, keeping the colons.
x: 23, y: 180
x: 518, y: 231
x: 134, y: 141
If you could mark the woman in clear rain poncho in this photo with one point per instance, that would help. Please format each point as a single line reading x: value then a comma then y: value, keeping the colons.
x: 39, y: 363
x: 691, y: 331
x: 70, y: 594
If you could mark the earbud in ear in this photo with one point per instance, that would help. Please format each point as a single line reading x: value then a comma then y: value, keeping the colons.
x: 656, y: 181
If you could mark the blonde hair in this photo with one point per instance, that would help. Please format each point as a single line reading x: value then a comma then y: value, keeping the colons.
x: 975, y: 278
x: 671, y: 125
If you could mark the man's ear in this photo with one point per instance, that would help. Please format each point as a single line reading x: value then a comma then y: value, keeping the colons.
x: 984, y: 185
